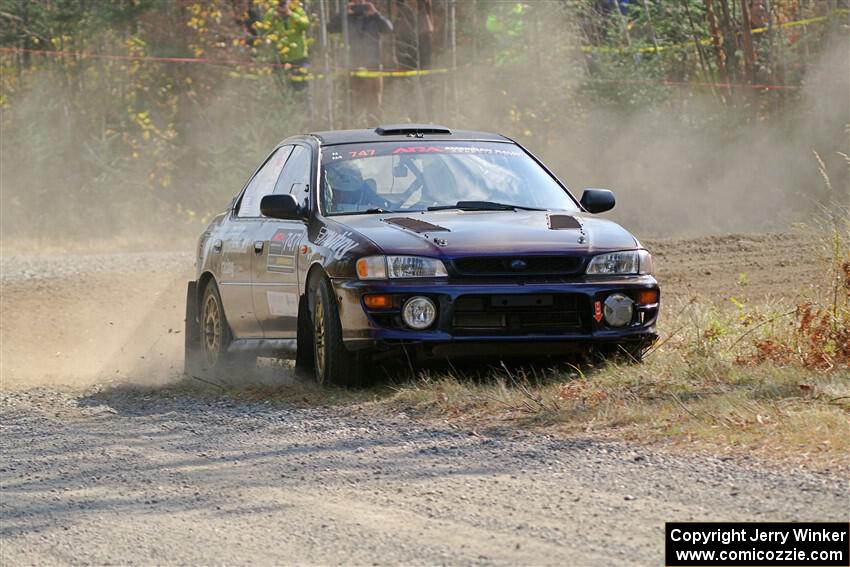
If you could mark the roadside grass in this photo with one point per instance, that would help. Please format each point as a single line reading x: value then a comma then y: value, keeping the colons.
x: 786, y: 414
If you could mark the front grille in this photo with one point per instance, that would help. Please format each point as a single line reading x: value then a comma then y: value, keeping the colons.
x: 518, y: 265
x: 538, y: 314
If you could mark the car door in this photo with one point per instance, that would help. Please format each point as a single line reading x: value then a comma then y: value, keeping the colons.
x: 237, y: 248
x: 275, y: 273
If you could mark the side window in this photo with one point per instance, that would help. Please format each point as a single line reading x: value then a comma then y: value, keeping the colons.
x: 295, y: 178
x: 262, y: 183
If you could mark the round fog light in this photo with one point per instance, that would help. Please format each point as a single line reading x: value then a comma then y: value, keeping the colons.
x: 419, y: 312
x: 618, y: 310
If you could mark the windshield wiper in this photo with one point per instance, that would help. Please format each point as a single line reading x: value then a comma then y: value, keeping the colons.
x: 374, y: 211
x: 482, y: 206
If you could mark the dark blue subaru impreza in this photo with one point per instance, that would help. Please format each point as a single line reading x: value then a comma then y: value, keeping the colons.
x: 350, y: 246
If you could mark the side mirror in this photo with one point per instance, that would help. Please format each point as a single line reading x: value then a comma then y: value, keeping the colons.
x: 280, y: 207
x: 597, y: 200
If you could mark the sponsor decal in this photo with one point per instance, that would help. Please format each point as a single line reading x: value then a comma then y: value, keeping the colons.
x: 282, y: 304
x: 234, y: 240
x: 234, y: 245
x: 282, y: 247
x: 413, y: 149
x: 479, y: 150
x: 338, y: 243
x: 597, y: 311
x: 419, y: 150
x: 367, y: 152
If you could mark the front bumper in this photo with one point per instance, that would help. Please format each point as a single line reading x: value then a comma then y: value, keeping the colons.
x: 363, y: 328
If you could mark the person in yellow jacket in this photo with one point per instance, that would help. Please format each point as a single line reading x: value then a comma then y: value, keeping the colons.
x: 283, y: 26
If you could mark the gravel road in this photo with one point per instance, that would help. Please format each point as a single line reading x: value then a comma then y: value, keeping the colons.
x: 96, y: 470
x: 124, y: 477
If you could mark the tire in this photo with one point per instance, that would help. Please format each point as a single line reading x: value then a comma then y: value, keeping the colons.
x: 334, y: 364
x: 215, y: 335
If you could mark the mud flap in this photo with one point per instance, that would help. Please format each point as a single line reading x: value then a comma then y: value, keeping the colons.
x: 304, y: 358
x: 192, y: 356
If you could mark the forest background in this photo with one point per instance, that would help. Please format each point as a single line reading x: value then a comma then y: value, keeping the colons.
x: 137, y: 120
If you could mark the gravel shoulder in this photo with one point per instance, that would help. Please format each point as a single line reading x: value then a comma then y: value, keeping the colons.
x: 125, y: 477
x: 97, y: 467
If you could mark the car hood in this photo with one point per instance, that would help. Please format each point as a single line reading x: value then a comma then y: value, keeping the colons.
x: 464, y: 233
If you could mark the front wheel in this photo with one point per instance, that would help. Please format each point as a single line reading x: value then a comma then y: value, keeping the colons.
x: 333, y: 363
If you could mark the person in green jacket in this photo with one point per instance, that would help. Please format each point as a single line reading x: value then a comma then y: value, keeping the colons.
x: 284, y: 28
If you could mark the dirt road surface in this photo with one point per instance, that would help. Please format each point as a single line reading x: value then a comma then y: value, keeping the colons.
x: 95, y: 470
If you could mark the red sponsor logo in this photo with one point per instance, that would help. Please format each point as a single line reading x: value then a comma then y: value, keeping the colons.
x: 597, y: 311
x: 419, y: 150
x: 279, y: 236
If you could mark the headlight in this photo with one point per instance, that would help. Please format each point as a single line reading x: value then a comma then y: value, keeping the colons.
x: 621, y: 263
x: 383, y: 267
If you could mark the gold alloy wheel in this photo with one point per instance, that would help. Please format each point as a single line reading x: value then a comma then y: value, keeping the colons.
x: 211, y: 331
x: 319, y: 337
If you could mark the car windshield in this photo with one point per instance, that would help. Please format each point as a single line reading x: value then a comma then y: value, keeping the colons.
x: 416, y: 176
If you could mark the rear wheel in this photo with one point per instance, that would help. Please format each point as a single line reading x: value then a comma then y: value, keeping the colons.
x: 215, y: 336
x: 334, y: 364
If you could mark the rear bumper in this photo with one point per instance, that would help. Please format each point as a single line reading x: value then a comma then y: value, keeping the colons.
x: 370, y: 329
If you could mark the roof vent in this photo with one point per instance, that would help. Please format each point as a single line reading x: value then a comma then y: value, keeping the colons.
x: 416, y: 130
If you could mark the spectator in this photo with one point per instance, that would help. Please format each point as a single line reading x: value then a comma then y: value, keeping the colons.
x: 365, y: 26
x: 283, y: 28
x: 293, y: 42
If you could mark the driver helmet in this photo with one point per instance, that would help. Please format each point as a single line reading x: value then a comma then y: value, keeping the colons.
x: 345, y: 183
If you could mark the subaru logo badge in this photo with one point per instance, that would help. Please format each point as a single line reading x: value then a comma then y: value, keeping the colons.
x: 518, y: 264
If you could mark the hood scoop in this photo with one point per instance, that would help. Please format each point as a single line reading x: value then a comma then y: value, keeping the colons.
x: 416, y: 225
x: 562, y: 222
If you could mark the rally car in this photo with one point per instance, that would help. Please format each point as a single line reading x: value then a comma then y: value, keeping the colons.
x: 346, y: 247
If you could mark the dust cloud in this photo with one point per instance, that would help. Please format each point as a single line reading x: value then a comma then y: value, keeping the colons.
x: 79, y: 319
x: 692, y: 165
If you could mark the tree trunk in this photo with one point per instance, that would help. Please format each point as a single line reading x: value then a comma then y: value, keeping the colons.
x: 746, y: 34
x: 716, y: 39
